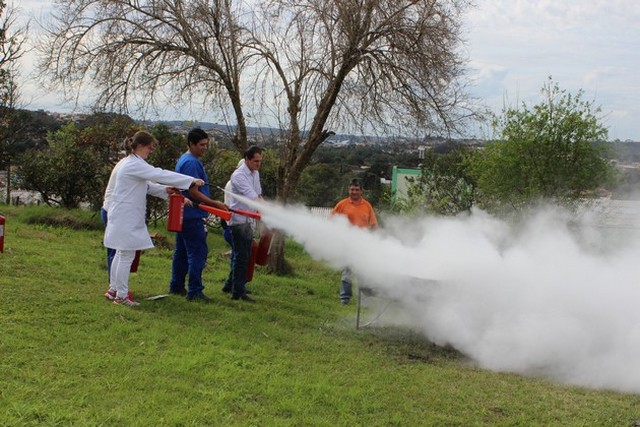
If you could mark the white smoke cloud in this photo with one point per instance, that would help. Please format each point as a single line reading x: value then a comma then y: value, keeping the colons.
x: 546, y: 297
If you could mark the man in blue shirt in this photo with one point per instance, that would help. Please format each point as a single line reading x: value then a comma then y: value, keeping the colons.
x: 191, y: 250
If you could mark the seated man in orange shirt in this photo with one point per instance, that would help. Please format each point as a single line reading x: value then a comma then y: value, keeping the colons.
x: 360, y: 213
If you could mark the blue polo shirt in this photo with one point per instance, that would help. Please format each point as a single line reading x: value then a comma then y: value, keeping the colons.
x: 188, y: 164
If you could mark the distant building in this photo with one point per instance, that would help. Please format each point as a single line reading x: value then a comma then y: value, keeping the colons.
x: 400, y: 180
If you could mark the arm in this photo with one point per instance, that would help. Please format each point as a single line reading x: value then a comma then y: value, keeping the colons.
x: 196, y: 195
x: 146, y: 171
x: 243, y: 184
x: 157, y: 190
x: 373, y: 221
x: 337, y: 209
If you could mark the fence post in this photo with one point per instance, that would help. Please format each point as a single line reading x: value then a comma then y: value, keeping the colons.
x: 2, y: 222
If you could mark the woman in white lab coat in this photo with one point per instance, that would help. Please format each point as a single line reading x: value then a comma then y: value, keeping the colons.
x: 126, y: 229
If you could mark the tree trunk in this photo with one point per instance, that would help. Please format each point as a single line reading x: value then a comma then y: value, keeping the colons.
x: 277, y: 263
x: 8, y: 195
x: 287, y: 182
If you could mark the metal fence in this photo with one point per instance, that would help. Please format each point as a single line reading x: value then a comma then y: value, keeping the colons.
x: 321, y: 212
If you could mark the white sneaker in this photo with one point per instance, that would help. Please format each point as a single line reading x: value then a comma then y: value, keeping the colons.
x: 128, y: 300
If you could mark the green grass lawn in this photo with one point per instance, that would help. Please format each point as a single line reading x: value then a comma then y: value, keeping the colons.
x: 69, y: 357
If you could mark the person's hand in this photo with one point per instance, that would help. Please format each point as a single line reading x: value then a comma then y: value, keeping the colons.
x: 223, y: 206
x: 187, y: 202
x: 199, y: 182
x: 172, y: 190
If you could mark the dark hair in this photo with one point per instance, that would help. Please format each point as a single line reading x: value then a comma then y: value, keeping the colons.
x: 139, y: 138
x: 355, y: 182
x: 252, y: 151
x: 196, y: 135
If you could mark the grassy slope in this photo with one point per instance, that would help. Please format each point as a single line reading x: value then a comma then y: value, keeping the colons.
x: 67, y: 356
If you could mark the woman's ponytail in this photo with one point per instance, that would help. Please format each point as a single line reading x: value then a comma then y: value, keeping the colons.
x: 139, y: 138
x: 127, y: 143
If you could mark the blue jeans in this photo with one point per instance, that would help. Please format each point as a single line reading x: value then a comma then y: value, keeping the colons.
x: 242, y: 239
x: 345, y: 285
x: 111, y: 253
x: 189, y: 257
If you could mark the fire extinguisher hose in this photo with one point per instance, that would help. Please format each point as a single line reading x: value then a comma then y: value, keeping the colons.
x: 254, y: 215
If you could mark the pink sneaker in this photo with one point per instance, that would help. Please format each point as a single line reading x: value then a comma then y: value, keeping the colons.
x: 110, y: 295
x: 128, y: 300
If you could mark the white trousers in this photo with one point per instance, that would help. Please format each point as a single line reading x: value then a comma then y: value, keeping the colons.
x: 120, y: 269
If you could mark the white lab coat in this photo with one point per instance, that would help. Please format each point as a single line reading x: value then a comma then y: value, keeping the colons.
x: 126, y: 228
x: 111, y: 184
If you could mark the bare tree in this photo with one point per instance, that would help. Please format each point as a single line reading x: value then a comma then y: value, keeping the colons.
x: 311, y: 66
x: 389, y: 65
x: 378, y: 65
x: 138, y: 53
x: 12, y: 38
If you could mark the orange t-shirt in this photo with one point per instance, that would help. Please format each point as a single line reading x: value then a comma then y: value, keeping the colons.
x: 360, y: 213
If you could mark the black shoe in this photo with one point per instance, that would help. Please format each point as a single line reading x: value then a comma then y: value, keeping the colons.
x: 181, y: 292
x: 199, y: 297
x: 244, y: 297
x: 228, y: 291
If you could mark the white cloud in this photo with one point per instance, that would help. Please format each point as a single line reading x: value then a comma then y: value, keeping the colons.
x: 590, y: 45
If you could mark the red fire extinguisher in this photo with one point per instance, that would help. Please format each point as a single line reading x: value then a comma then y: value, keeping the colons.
x: 2, y: 221
x: 252, y: 260
x: 262, y: 255
x: 136, y: 262
x: 176, y: 210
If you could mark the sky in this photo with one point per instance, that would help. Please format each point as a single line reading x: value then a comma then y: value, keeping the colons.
x: 512, y: 47
x: 515, y: 45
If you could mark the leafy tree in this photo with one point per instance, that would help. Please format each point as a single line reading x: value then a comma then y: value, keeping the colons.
x: 550, y: 151
x: 169, y: 148
x: 220, y: 164
x: 65, y: 172
x: 310, y: 65
x: 321, y: 184
x: 371, y: 177
x: 444, y: 187
x: 104, y: 134
x: 165, y: 155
